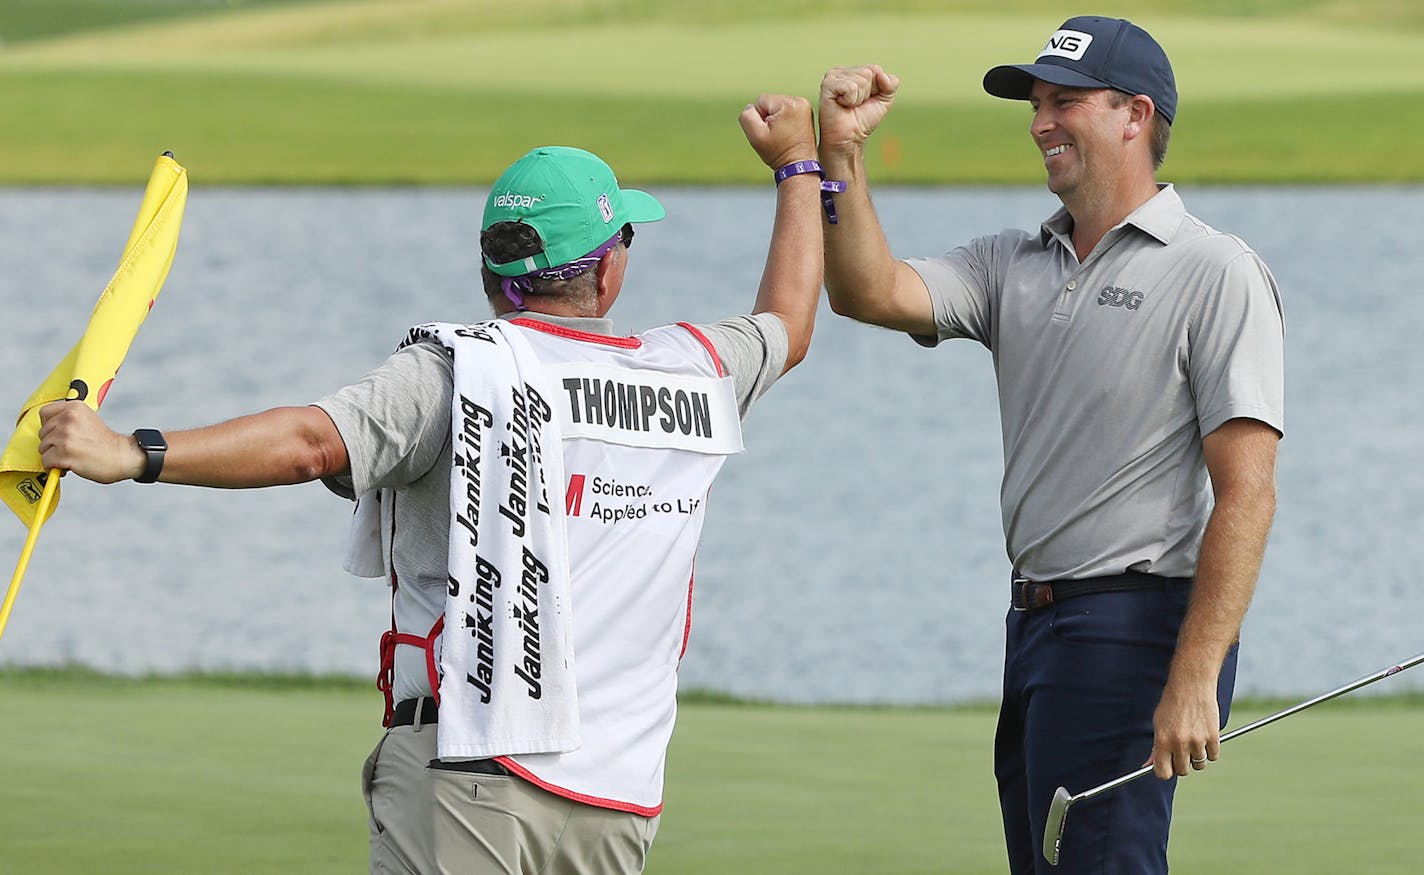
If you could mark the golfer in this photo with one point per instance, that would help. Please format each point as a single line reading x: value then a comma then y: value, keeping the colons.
x: 1138, y: 357
x: 532, y: 488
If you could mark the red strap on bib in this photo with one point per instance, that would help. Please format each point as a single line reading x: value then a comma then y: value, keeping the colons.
x: 392, y: 639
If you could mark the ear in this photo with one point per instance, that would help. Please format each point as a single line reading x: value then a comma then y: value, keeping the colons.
x: 610, y: 271
x: 1139, y: 115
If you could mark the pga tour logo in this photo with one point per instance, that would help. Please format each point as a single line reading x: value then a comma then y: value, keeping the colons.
x: 1070, y: 44
x: 605, y: 208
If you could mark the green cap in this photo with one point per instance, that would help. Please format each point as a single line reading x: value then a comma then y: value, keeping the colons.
x: 571, y: 198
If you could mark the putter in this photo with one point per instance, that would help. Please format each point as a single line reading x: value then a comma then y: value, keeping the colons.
x: 1063, y: 800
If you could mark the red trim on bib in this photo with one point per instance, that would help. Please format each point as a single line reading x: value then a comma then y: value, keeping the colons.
x: 598, y: 801
x: 702, y: 338
x: 575, y: 334
x: 687, y: 623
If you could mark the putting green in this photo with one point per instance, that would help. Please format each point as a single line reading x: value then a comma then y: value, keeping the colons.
x: 260, y: 775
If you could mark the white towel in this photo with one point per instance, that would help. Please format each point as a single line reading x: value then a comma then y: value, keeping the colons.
x: 507, y: 663
x: 366, y: 548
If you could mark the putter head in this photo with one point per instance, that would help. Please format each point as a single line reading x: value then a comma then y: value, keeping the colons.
x: 1053, y: 828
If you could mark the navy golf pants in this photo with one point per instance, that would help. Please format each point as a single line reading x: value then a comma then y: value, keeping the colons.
x: 1082, y: 679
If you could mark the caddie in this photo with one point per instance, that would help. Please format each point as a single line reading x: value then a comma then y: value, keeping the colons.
x: 532, y: 488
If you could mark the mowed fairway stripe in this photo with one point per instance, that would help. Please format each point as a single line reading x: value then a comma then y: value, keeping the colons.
x: 942, y: 58
x: 438, y: 92
x: 243, y: 129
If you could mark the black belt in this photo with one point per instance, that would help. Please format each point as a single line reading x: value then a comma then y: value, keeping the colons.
x: 1031, y: 595
x: 405, y: 712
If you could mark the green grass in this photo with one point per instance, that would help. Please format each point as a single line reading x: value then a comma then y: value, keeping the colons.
x: 246, y: 774
x: 28, y: 20
x: 409, y: 136
x: 186, y: 776
x: 439, y: 91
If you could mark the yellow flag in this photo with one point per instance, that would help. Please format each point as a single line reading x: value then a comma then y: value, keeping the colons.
x: 89, y: 368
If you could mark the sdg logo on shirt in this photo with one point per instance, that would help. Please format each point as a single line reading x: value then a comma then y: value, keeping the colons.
x: 1115, y: 296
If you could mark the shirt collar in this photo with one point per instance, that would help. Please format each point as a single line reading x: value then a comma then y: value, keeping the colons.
x: 588, y: 324
x: 1159, y: 218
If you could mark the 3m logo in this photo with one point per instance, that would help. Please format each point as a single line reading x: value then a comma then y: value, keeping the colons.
x: 1113, y: 296
x: 1070, y: 44
x: 605, y: 208
x: 573, y: 496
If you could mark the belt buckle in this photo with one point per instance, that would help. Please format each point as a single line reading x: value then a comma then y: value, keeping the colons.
x: 1020, y: 592
x: 1031, y: 595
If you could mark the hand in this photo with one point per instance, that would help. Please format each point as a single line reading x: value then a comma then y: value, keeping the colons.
x: 854, y: 100
x: 779, y: 129
x: 74, y: 438
x: 1186, y: 729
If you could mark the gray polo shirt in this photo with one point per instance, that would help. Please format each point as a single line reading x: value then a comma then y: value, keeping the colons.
x: 1110, y: 371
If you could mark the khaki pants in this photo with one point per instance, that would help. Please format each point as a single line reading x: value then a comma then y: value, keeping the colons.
x: 399, y: 804
x: 426, y: 821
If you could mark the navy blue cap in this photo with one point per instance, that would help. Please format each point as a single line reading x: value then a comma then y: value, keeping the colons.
x: 1094, y: 52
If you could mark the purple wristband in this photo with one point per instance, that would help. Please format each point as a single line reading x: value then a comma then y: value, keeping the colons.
x: 828, y: 186
x: 795, y: 168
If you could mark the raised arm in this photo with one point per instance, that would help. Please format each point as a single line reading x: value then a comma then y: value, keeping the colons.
x: 863, y: 280
x: 779, y: 128
x: 280, y: 446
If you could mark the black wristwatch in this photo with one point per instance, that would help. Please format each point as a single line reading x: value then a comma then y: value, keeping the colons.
x: 151, y: 441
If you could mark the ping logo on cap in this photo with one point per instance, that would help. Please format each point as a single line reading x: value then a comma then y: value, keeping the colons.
x: 605, y: 208
x: 1070, y: 44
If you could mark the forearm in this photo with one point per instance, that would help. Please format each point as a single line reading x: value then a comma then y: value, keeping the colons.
x: 277, y: 447
x: 779, y: 129
x: 1187, y: 722
x: 1241, y: 460
x: 1227, y: 569
x: 791, y: 282
x: 860, y: 271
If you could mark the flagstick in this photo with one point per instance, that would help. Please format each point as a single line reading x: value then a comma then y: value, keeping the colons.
x: 41, y: 511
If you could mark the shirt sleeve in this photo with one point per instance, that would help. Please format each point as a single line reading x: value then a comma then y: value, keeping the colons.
x: 962, y: 287
x: 753, y: 351
x: 1237, y: 348
x: 395, y: 421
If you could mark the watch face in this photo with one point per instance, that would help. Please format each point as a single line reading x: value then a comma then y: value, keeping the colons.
x: 154, y: 446
x: 150, y: 439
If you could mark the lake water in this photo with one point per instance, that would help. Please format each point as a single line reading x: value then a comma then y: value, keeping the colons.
x: 853, y: 555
